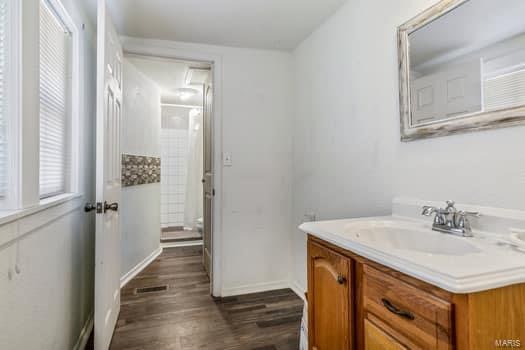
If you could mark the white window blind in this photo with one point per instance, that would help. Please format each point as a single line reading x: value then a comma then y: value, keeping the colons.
x: 4, y: 46
x: 504, y: 80
x: 506, y: 90
x: 55, y: 108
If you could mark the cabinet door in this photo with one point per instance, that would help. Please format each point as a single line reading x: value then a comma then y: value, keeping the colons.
x: 329, y: 297
x: 377, y: 339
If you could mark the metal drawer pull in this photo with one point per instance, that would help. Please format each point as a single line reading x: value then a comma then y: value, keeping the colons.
x: 405, y: 314
x: 341, y: 279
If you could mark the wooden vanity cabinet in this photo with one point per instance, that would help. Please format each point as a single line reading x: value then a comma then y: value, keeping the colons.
x: 355, y: 303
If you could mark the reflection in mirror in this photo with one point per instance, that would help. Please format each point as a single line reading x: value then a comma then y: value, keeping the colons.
x: 469, y: 60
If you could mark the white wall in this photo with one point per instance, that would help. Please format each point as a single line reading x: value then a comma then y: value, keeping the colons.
x: 257, y: 125
x: 50, y: 301
x: 256, y: 110
x: 140, y: 135
x: 348, y: 160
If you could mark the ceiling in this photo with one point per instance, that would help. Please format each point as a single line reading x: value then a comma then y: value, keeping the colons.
x: 470, y: 27
x: 265, y: 24
x: 169, y: 75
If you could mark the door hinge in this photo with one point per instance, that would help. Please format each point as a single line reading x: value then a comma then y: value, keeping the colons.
x: 213, y: 192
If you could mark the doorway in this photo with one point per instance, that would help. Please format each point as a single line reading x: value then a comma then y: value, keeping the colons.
x: 186, y: 144
x: 182, y: 160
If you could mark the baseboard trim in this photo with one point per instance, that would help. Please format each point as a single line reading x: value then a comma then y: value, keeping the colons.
x: 255, y: 288
x: 84, y: 334
x: 180, y: 244
x: 139, y: 267
x: 296, y: 287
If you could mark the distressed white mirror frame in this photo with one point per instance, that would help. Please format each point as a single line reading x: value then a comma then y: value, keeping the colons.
x: 461, y: 124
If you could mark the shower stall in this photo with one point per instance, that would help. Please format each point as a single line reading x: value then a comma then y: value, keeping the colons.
x: 181, y: 174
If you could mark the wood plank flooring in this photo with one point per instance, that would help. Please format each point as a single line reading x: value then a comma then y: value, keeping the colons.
x: 186, y: 317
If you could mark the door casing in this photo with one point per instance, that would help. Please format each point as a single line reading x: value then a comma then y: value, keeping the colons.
x: 181, y: 51
x: 207, y: 179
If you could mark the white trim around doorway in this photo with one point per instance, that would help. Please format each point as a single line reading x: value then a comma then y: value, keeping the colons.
x: 191, y: 52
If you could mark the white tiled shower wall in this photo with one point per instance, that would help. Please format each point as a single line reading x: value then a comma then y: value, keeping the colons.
x: 174, y: 158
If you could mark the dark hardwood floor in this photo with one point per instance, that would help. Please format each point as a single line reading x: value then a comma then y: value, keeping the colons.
x: 185, y: 316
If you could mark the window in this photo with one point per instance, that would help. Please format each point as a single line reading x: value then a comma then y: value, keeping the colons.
x: 505, y: 90
x: 55, y: 102
x: 504, y: 80
x: 4, y: 89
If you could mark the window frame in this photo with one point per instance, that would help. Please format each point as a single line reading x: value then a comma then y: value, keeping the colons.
x: 72, y: 181
x: 23, y: 182
x: 13, y: 103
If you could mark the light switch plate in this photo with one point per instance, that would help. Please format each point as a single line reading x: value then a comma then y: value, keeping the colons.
x: 227, y: 159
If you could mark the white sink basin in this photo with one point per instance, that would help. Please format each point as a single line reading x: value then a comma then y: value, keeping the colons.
x: 407, y: 236
x: 456, y: 264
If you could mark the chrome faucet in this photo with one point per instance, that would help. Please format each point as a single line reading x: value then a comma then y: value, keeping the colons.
x: 450, y: 220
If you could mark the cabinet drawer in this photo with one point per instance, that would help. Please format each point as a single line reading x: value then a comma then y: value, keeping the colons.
x: 377, y: 339
x: 420, y: 317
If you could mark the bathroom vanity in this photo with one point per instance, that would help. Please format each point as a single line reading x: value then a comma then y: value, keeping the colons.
x: 394, y: 283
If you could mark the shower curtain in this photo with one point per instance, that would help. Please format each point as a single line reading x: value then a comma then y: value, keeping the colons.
x: 193, y: 204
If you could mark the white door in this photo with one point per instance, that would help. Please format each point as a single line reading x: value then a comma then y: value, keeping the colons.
x: 448, y: 93
x: 425, y: 104
x: 107, y: 255
x: 462, y: 86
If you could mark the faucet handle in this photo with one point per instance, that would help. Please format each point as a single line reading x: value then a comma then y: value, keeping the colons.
x: 451, y: 205
x: 462, y: 219
x: 439, y: 219
x: 465, y: 214
x: 429, y: 210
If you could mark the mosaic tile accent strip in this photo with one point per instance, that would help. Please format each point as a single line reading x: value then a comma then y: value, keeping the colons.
x: 140, y: 170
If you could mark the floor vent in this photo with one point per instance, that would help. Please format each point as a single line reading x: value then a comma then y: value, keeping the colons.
x: 151, y: 289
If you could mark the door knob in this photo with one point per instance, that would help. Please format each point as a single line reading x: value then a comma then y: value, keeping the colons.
x: 112, y: 206
x: 90, y: 207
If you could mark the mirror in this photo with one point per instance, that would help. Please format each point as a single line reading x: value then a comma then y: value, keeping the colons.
x: 462, y: 68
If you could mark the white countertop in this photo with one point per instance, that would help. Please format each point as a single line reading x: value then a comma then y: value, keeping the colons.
x: 471, y: 264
